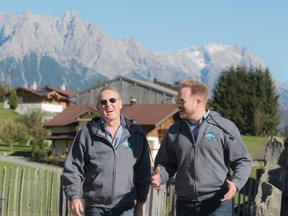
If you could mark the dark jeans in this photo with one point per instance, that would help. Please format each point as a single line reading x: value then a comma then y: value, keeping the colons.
x: 211, y: 207
x: 98, y: 211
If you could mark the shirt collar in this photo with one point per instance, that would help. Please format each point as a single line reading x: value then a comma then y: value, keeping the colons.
x: 102, y: 124
x: 201, y: 119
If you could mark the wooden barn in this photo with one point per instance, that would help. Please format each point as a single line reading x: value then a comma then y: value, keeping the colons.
x: 131, y: 91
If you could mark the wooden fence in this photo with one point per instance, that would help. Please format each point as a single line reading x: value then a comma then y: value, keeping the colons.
x: 36, y: 192
x: 29, y: 192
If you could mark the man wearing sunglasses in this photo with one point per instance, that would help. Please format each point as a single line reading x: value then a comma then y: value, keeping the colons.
x: 202, y: 149
x: 110, y: 159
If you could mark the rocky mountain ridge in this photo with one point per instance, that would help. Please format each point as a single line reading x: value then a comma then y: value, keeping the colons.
x: 56, y: 50
x: 37, y: 45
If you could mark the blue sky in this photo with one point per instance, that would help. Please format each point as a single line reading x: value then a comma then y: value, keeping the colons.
x: 166, y: 25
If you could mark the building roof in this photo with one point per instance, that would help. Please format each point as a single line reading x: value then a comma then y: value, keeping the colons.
x: 70, y: 115
x: 43, y: 92
x: 153, y: 86
x: 174, y: 86
x: 149, y: 114
x: 61, y: 92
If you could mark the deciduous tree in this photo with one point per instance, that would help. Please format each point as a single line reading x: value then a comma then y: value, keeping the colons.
x: 34, y: 119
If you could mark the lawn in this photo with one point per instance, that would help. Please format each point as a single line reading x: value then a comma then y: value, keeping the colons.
x: 7, y: 113
x: 18, y: 150
x: 254, y: 144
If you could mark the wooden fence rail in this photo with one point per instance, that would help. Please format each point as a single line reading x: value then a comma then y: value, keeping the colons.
x: 37, y: 192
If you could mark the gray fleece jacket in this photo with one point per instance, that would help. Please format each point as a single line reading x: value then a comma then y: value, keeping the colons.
x: 111, y: 178
x: 202, y: 167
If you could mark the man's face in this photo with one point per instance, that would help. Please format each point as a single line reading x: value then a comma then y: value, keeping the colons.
x: 109, y: 105
x: 186, y: 103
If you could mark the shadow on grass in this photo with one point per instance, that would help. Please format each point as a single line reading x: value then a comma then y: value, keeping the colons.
x: 21, y: 153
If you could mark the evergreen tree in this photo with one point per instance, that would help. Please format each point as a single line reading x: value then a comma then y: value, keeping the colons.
x: 13, y: 99
x: 270, y: 104
x: 248, y: 97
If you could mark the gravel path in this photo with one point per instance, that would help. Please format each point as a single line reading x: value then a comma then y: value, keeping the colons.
x: 25, y: 161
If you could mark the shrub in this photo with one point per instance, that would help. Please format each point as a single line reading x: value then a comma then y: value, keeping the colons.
x: 13, y: 132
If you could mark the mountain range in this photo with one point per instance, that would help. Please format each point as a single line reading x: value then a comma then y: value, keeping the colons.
x: 64, y: 50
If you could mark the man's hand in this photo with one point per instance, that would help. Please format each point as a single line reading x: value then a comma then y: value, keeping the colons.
x: 76, y: 207
x: 138, y: 209
x: 155, y: 179
x: 232, y: 190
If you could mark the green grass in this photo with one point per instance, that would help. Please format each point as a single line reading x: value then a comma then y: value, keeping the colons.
x: 18, y: 150
x: 25, y: 151
x: 6, y: 114
x: 254, y: 144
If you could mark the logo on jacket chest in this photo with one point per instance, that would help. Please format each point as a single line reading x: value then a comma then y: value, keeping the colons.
x: 210, y: 135
x: 126, y: 144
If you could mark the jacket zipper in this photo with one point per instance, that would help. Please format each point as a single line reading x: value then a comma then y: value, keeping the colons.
x: 114, y: 169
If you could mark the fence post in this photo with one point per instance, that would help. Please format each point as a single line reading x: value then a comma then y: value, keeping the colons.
x: 9, y: 191
x: 21, y: 191
x: 2, y: 191
x: 14, y: 207
x: 1, y: 207
x: 28, y: 191
x: 51, y: 194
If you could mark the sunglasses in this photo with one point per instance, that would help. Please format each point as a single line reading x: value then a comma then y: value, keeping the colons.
x: 111, y: 100
x: 180, y: 101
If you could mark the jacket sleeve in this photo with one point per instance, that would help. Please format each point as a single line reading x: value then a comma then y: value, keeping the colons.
x: 143, y: 170
x: 73, y: 172
x: 240, y: 161
x: 166, y: 158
